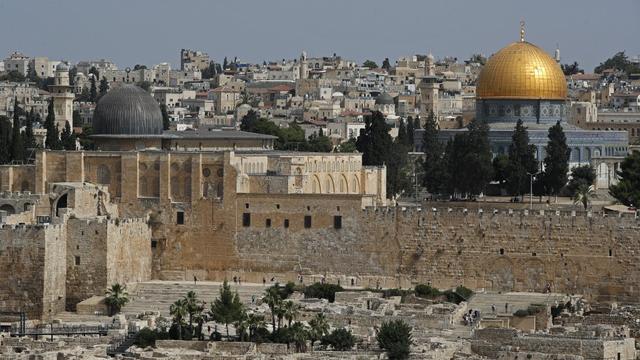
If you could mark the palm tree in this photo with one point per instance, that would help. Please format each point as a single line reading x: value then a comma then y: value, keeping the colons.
x: 583, y: 195
x: 319, y: 327
x: 254, y: 321
x: 178, y: 310
x: 273, y: 300
x: 290, y: 311
x: 193, y: 306
x: 299, y: 335
x: 241, y: 325
x: 117, y: 297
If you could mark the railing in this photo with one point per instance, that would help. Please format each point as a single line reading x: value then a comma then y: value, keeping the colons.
x: 68, y: 330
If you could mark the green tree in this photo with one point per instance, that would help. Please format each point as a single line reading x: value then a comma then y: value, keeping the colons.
x: 291, y: 311
x: 411, y: 130
x: 571, y: 69
x: 225, y: 63
x: 500, y: 166
x: 166, y: 122
x: 396, y: 339
x: 581, y: 175
x: 403, y: 135
x: 67, y: 137
x: 522, y: 161
x: 370, y: 64
x: 52, y: 141
x: 178, y: 312
x: 85, y: 137
x: 478, y: 168
x: 93, y: 91
x: 17, y: 143
x: 435, y: 176
x: 627, y: 190
x: 254, y: 322
x: 583, y: 196
x: 194, y: 306
x: 5, y: 140
x: 298, y: 336
x: 398, y: 171
x: 374, y: 142
x: 319, y: 143
x: 619, y: 61
x: 227, y: 308
x: 29, y: 137
x: 348, y: 146
x: 339, y: 339
x: 116, y: 298
x: 104, y: 86
x: 556, y: 162
x: 249, y: 121
x: 386, y: 64
x: 319, y: 328
x: 13, y: 76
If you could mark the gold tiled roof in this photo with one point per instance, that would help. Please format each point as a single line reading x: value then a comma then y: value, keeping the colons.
x: 521, y: 70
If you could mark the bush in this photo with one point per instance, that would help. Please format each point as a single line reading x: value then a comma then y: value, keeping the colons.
x: 322, y: 291
x: 395, y: 337
x: 426, y: 291
x: 396, y: 292
x: 146, y: 337
x: 533, y: 309
x: 464, y: 292
x: 339, y: 340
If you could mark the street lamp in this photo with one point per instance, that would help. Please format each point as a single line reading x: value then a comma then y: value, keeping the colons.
x: 531, y: 176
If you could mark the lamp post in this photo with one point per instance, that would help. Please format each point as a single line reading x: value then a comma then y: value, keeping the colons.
x: 531, y: 176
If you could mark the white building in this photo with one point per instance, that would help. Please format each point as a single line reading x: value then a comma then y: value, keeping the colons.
x: 17, y: 62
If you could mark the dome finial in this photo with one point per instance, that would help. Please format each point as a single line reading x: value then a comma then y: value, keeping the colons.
x: 521, y: 30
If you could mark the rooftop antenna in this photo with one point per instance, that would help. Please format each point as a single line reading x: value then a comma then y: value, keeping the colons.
x: 521, y: 30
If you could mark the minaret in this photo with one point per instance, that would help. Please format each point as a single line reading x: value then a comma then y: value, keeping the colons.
x: 62, y: 94
x: 303, y: 68
x: 429, y: 67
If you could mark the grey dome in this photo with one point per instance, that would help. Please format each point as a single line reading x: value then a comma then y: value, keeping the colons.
x: 127, y: 110
x: 384, y: 99
x: 62, y: 67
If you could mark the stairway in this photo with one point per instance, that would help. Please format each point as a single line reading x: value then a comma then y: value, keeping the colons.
x: 159, y: 295
x: 516, y: 301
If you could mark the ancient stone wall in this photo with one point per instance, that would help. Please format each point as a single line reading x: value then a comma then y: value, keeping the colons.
x: 32, y: 263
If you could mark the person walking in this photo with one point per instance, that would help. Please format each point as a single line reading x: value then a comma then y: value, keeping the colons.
x: 493, y: 308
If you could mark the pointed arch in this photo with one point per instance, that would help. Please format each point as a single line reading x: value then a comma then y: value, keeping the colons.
x: 344, y: 185
x: 330, y: 187
x: 315, y: 185
x: 355, y: 185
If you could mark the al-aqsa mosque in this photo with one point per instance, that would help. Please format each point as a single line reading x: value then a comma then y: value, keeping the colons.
x: 522, y: 81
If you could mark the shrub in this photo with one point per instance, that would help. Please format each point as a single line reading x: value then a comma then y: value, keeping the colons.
x: 464, y: 292
x: 322, y: 291
x: 146, y: 337
x: 339, y: 340
x: 395, y: 292
x: 427, y: 291
x: 395, y: 337
x: 531, y: 310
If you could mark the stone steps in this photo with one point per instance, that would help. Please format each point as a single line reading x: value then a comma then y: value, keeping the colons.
x: 516, y: 301
x: 159, y: 295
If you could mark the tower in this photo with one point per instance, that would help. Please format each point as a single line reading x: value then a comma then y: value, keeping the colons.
x: 303, y: 69
x: 429, y: 89
x: 429, y: 67
x: 62, y: 94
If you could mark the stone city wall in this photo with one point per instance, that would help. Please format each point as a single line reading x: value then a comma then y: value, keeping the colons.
x: 32, y: 263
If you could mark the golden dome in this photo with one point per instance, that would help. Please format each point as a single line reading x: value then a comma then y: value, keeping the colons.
x: 521, y: 71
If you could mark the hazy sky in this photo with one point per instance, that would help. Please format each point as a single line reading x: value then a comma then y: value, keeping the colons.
x: 149, y: 32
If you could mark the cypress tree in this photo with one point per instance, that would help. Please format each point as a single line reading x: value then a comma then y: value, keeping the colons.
x: 104, y: 86
x: 5, y: 132
x: 434, y: 167
x: 478, y: 169
x: 375, y: 142
x: 556, y: 162
x: 52, y: 141
x: 93, y: 92
x: 29, y: 138
x: 166, y: 122
x: 627, y: 190
x: 522, y: 161
x: 410, y: 131
x: 67, y: 138
x: 17, y: 145
x: 403, y: 137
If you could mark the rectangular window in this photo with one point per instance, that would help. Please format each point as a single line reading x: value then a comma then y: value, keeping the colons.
x: 286, y: 223
x: 337, y: 222
x: 77, y: 260
x: 246, y: 219
x: 154, y: 244
x: 307, y: 221
x: 180, y: 218
x: 267, y: 223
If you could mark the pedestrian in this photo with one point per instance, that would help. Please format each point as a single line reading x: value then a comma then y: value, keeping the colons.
x: 493, y: 308
x: 264, y: 281
x: 235, y: 279
x: 195, y: 280
x: 253, y: 299
x: 506, y: 307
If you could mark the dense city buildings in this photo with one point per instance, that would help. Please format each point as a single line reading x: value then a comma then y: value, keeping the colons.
x: 130, y: 196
